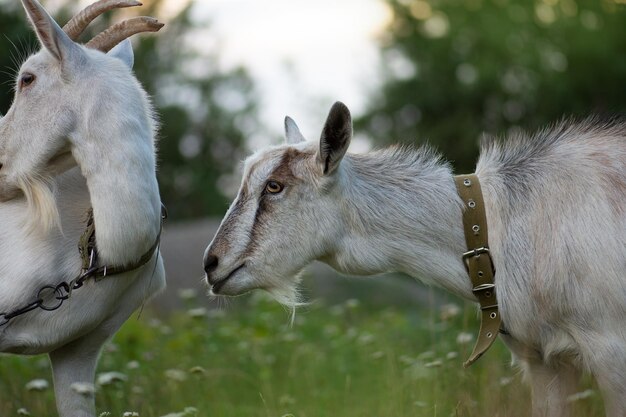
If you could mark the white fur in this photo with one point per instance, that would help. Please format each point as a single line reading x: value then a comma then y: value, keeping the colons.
x: 556, y: 209
x: 81, y: 135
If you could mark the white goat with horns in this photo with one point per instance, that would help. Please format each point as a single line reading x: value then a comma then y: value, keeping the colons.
x: 79, y: 135
x: 556, y: 210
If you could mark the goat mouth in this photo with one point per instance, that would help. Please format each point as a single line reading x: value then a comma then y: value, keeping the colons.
x: 218, y: 285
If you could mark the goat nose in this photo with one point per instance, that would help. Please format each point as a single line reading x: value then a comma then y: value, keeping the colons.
x: 210, y: 263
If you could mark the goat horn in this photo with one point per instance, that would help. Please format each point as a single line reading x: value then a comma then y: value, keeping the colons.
x: 79, y: 23
x: 106, y: 40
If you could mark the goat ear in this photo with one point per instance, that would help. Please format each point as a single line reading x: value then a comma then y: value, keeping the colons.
x: 50, y: 34
x: 124, y: 51
x: 292, y: 133
x: 335, y: 138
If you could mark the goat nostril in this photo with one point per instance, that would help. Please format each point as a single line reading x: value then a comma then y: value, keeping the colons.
x: 210, y: 263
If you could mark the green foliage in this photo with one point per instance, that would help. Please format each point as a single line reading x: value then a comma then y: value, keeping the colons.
x: 16, y: 41
x: 348, y: 360
x: 457, y: 69
x: 206, y: 113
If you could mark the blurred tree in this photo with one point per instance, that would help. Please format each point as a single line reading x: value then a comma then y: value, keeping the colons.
x: 454, y: 70
x: 205, y: 113
x: 16, y: 41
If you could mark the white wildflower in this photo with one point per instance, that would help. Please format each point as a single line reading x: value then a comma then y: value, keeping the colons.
x: 452, y: 355
x: 176, y: 375
x: 449, y: 311
x: 505, y: 380
x: 366, y: 339
x: 132, y: 365
x: 37, y: 385
x: 187, y: 412
x: 111, y: 347
x: 198, y: 370
x: 22, y: 412
x: 197, y: 313
x: 406, y: 360
x: 108, y: 378
x: 352, y: 303
x: 433, y: 364
x: 187, y: 293
x: 85, y: 389
x: 130, y: 414
x: 464, y: 338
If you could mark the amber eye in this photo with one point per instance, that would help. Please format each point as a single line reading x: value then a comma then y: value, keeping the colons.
x: 273, y: 187
x: 26, y: 79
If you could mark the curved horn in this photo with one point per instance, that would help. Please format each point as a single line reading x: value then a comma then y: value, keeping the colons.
x: 106, y: 40
x: 78, y: 23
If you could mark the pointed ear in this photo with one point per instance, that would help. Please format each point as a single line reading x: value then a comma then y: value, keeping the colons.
x: 335, y: 137
x: 50, y: 34
x: 124, y: 51
x: 292, y: 133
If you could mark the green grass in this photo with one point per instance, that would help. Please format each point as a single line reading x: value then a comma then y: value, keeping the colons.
x: 348, y: 360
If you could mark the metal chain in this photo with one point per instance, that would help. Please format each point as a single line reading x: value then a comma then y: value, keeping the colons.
x: 63, y: 291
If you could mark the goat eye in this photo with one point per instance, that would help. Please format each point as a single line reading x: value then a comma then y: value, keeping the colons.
x: 26, y: 79
x: 273, y: 187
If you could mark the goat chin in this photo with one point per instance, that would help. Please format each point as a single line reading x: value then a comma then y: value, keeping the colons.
x: 43, y: 214
x: 287, y: 294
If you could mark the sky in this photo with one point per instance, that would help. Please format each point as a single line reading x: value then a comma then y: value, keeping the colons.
x: 303, y: 54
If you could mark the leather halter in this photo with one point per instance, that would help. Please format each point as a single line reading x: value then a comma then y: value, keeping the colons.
x: 89, y: 252
x: 478, y: 262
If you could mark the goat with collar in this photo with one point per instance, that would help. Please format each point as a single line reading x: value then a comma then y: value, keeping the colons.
x: 556, y: 208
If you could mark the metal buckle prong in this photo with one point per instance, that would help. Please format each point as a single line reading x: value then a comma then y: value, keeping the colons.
x: 483, y: 287
x: 475, y: 252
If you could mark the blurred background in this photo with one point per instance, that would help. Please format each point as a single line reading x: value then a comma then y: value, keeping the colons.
x: 224, y: 73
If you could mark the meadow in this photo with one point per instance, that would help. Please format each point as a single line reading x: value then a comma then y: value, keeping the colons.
x: 248, y: 360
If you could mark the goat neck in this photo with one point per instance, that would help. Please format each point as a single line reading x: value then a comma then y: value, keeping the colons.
x: 115, y: 152
x: 404, y: 219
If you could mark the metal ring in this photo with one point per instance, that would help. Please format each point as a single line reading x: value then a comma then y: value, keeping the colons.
x: 488, y: 294
x: 51, y: 291
x: 489, y: 334
x: 493, y: 315
x: 467, y: 182
x: 476, y: 228
x: 471, y: 203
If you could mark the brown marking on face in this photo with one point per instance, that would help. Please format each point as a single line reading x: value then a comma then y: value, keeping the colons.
x: 221, y: 243
x: 284, y: 174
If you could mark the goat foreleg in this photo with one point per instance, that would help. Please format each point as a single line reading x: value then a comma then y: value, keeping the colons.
x: 73, y: 369
x: 551, y: 386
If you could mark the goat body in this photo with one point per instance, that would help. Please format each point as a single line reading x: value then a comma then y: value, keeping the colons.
x: 556, y: 210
